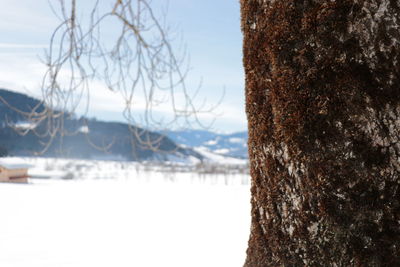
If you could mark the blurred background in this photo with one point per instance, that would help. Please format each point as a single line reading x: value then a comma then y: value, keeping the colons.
x: 116, y: 174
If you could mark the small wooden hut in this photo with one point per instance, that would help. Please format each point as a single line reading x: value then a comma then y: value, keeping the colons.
x: 13, y: 173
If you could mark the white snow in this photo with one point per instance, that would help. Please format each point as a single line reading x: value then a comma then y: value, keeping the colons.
x: 187, y: 160
x: 25, y: 125
x: 211, y: 142
x: 14, y: 163
x: 139, y: 217
x: 84, y: 129
x: 221, y: 159
x: 237, y: 140
x: 222, y: 151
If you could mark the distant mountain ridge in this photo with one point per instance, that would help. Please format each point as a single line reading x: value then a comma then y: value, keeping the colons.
x: 176, y: 146
x: 18, y: 101
x: 124, y: 146
x: 230, y: 145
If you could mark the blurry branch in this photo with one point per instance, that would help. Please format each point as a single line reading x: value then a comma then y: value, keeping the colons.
x: 137, y: 61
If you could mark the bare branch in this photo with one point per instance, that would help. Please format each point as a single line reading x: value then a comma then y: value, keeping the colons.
x: 137, y: 61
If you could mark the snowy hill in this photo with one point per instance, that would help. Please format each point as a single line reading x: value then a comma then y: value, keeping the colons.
x: 226, y: 145
x: 93, y: 139
x: 186, y: 147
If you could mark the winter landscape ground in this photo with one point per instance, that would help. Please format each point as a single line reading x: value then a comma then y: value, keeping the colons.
x: 107, y: 213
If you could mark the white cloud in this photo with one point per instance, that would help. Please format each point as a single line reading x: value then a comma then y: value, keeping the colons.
x: 23, y: 72
x: 26, y: 28
x: 21, y: 15
x: 23, y: 46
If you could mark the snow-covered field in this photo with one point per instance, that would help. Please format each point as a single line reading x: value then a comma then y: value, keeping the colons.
x: 122, y: 214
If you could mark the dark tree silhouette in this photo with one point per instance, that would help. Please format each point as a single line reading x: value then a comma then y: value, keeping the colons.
x: 323, y: 105
x: 3, y: 151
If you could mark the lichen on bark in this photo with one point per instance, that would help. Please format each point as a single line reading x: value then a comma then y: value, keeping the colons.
x: 323, y: 106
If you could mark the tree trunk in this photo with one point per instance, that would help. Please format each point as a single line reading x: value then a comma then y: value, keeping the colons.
x: 323, y: 105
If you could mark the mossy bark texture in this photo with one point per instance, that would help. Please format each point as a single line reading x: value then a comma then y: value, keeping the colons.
x: 323, y: 105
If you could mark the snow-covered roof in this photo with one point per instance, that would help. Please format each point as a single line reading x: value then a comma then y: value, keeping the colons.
x: 11, y: 163
x: 15, y: 166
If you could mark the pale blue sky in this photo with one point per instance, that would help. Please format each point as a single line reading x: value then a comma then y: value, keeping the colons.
x: 210, y: 28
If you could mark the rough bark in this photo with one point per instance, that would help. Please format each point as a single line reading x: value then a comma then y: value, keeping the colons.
x: 323, y: 105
